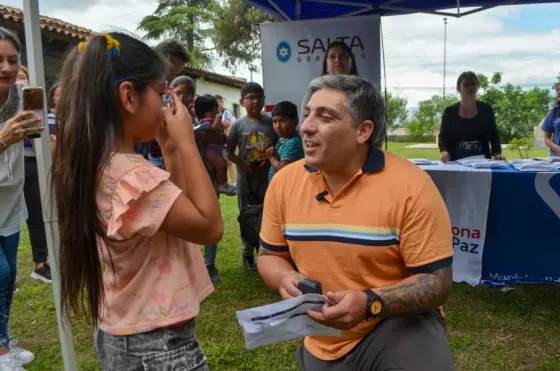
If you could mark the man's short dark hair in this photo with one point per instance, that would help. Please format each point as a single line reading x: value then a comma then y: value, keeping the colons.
x: 363, y: 100
x: 218, y: 97
x: 285, y: 109
x: 172, y: 48
x: 204, y: 104
x: 252, y: 87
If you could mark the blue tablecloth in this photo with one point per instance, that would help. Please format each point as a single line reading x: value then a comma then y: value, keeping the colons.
x: 523, y: 229
x: 506, y: 223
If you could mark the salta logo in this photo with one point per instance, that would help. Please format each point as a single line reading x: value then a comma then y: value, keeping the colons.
x: 544, y: 188
x: 314, y: 49
x: 283, y: 51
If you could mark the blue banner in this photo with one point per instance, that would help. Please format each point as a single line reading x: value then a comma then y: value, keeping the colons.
x: 523, y: 229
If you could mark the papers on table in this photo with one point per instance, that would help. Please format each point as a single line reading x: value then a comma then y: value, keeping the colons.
x: 423, y: 161
x: 283, y: 321
x: 479, y: 162
x: 536, y: 165
x: 550, y: 164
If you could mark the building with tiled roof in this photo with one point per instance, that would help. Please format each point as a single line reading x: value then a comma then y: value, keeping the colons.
x: 58, y: 36
x: 14, y: 16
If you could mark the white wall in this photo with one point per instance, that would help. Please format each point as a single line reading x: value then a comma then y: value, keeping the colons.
x: 231, y: 95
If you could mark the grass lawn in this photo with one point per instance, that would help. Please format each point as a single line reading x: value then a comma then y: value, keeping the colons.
x: 488, y: 329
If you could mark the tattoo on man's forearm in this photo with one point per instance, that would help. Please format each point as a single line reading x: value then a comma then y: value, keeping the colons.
x: 417, y: 294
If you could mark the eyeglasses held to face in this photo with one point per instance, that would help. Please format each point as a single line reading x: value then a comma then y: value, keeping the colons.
x: 186, y: 99
x: 167, y: 95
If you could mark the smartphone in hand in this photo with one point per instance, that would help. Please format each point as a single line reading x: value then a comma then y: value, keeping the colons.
x: 33, y: 100
x: 307, y: 286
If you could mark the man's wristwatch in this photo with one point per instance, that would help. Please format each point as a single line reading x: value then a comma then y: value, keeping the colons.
x: 3, y: 145
x: 374, y: 305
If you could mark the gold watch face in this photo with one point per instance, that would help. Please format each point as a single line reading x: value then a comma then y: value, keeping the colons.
x: 376, y: 307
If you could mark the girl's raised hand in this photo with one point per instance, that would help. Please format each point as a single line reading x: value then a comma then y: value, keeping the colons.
x: 178, y: 122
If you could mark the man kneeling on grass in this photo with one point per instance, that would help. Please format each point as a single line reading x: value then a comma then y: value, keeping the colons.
x: 371, y: 227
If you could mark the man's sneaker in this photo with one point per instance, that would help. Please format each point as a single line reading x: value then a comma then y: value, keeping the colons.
x: 8, y: 363
x: 20, y: 355
x: 42, y: 274
x: 249, y: 263
x: 214, y: 274
x: 226, y: 189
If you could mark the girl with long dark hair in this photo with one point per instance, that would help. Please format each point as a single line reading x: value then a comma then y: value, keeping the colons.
x: 124, y: 223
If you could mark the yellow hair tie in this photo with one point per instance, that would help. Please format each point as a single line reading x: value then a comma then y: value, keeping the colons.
x: 113, y: 45
x: 82, y: 47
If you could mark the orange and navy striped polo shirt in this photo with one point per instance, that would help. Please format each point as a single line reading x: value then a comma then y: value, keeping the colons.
x: 387, y: 223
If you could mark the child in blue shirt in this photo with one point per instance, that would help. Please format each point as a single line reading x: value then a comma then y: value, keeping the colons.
x: 290, y: 146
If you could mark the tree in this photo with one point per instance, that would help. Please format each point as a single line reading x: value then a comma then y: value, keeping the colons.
x: 226, y: 27
x: 490, y: 91
x: 236, y: 32
x: 189, y: 21
x: 517, y: 111
x: 523, y: 146
x: 513, y: 114
x: 428, y: 115
x: 396, y: 110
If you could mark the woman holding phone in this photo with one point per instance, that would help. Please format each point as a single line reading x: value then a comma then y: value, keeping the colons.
x: 15, y: 126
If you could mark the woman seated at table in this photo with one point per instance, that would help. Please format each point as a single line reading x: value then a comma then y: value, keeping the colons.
x: 468, y: 128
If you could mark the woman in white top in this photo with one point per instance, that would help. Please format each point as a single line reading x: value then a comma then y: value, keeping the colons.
x: 15, y: 126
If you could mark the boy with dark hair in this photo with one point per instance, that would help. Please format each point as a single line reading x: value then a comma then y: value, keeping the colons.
x: 289, y: 147
x: 251, y: 135
x: 206, y: 109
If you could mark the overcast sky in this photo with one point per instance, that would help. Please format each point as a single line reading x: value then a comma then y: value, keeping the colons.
x: 520, y: 41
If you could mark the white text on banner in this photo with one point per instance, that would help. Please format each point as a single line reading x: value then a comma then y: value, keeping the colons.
x: 293, y: 53
x: 466, y: 192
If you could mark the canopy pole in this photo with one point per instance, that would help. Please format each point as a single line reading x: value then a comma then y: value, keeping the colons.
x: 384, y: 83
x: 297, y: 9
x: 35, y: 64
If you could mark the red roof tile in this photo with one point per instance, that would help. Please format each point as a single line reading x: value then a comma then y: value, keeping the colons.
x: 7, y: 13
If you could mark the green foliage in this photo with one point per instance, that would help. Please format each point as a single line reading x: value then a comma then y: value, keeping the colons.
x: 396, y: 110
x: 206, y: 27
x: 428, y: 116
x: 189, y: 21
x: 523, y: 146
x: 491, y: 92
x: 517, y: 110
x: 236, y: 32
